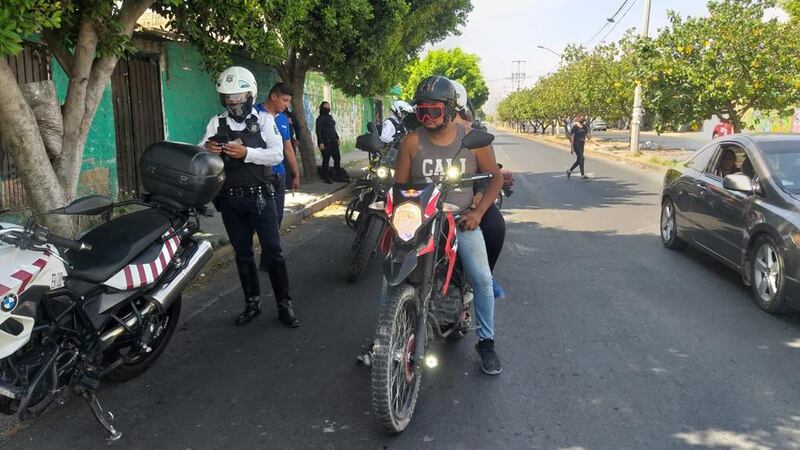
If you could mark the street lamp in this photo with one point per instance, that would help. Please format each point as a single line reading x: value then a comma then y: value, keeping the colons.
x: 560, y: 56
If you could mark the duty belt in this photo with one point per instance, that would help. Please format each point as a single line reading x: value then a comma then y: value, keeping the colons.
x: 245, y: 191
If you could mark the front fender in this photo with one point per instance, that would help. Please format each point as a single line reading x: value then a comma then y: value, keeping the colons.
x: 399, y: 265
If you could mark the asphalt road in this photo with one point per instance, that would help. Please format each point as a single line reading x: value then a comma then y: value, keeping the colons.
x: 608, y: 340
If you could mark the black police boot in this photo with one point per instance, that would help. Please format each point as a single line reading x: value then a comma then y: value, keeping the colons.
x: 252, y: 310
x: 248, y: 276
x: 279, y: 277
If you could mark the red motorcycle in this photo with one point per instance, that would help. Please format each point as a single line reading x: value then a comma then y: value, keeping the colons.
x: 427, y: 292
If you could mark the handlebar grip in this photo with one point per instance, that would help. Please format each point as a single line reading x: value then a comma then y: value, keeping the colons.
x: 70, y: 244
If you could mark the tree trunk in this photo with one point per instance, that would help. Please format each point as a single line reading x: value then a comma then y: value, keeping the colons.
x: 294, y: 72
x: 736, y: 120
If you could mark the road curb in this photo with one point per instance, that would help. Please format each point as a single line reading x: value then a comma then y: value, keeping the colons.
x: 601, y: 155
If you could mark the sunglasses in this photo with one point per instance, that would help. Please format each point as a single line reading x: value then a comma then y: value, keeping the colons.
x: 429, y: 112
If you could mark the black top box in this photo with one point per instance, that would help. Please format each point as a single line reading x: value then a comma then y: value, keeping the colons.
x: 181, y: 172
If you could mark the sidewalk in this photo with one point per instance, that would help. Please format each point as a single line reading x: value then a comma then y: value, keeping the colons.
x: 313, y: 196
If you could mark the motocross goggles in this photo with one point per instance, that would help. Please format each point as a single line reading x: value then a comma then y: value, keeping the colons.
x: 428, y: 112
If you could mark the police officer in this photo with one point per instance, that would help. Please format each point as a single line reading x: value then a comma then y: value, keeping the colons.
x: 250, y: 144
x: 393, y: 128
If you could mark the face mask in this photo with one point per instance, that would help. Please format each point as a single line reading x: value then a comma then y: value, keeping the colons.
x: 238, y: 111
x: 325, y: 110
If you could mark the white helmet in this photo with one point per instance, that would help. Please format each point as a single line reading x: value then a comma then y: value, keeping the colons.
x: 399, y: 108
x: 461, y: 95
x: 237, y: 91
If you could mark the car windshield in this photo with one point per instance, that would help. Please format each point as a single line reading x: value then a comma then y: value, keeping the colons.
x: 783, y: 159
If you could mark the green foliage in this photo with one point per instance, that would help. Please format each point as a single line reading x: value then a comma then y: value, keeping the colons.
x: 599, y: 83
x: 792, y: 7
x: 726, y: 64
x: 454, y: 64
x: 360, y: 45
x: 20, y: 18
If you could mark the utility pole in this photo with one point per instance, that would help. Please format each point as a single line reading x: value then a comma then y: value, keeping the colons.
x: 518, y: 74
x: 636, y: 118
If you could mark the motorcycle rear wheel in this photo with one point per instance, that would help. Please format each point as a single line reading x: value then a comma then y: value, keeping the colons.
x: 140, y: 363
x: 396, y: 377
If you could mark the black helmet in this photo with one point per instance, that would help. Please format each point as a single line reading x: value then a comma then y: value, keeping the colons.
x: 435, y: 88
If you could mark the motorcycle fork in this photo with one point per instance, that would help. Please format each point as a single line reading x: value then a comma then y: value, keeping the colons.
x: 422, y: 319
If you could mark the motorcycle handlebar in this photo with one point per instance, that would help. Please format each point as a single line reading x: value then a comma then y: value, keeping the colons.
x: 42, y: 234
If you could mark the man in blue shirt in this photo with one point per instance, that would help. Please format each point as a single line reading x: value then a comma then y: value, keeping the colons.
x: 276, y: 104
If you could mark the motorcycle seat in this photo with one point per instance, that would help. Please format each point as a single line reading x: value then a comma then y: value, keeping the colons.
x: 116, y: 243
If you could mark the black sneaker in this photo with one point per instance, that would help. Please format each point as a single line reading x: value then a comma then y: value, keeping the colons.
x: 569, y: 175
x: 490, y: 363
x: 365, y: 358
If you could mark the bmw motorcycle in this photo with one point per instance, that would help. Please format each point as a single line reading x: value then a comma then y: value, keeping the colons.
x: 104, y: 306
x: 428, y: 295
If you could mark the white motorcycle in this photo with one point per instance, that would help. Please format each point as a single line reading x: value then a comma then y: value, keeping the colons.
x: 73, y: 312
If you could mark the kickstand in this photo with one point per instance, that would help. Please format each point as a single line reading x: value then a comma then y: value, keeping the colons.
x: 105, y: 418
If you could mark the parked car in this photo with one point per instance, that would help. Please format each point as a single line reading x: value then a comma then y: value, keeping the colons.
x: 599, y: 124
x: 746, y: 215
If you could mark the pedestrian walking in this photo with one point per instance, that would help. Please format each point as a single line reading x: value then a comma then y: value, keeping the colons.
x: 578, y: 134
x: 250, y: 144
x: 286, y: 173
x: 328, y: 142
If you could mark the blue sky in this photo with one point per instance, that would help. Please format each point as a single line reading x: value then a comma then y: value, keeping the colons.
x: 500, y: 31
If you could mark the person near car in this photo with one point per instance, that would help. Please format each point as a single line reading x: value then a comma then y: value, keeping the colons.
x: 578, y: 134
x: 434, y: 145
x: 328, y: 142
x: 250, y: 144
x: 727, y: 163
x: 276, y: 103
x: 493, y: 225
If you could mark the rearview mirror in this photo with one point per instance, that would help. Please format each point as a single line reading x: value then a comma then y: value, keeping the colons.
x: 89, y: 206
x: 738, y: 182
x: 368, y: 142
x: 371, y: 128
x: 477, y: 139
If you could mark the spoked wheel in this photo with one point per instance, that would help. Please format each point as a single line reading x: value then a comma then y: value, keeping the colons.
x: 669, y: 227
x: 368, y: 235
x: 768, y: 276
x: 138, y: 360
x: 396, y: 376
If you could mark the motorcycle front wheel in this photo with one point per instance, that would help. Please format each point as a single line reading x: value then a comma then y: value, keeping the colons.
x: 396, y: 376
x: 369, y: 233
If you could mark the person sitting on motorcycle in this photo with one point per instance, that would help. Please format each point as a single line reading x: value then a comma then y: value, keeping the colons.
x: 393, y: 127
x: 424, y: 156
x: 493, y: 226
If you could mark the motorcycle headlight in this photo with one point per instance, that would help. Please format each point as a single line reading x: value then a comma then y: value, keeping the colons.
x: 382, y: 172
x: 406, y: 219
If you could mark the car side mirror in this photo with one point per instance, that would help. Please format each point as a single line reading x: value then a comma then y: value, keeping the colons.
x: 477, y: 139
x: 90, y: 205
x: 739, y: 182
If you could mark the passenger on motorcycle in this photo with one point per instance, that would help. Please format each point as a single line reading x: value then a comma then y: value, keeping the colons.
x: 424, y: 157
x: 493, y: 226
x: 393, y: 127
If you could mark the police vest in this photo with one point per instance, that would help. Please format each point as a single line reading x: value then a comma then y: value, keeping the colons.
x: 237, y: 172
x: 399, y: 128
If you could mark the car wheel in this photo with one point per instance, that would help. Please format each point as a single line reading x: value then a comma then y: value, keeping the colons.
x: 768, y: 275
x: 669, y: 227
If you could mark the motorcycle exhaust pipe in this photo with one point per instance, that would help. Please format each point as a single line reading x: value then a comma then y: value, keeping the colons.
x: 166, y: 293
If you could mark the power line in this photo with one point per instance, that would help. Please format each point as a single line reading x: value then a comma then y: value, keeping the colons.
x: 616, y: 24
x: 609, y: 21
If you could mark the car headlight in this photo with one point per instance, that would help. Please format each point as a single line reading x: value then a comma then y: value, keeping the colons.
x: 406, y: 219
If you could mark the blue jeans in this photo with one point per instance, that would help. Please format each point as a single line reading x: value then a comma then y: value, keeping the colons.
x: 475, y: 262
x: 472, y: 254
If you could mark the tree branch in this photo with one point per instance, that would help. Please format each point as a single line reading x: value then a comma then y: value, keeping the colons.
x: 64, y: 58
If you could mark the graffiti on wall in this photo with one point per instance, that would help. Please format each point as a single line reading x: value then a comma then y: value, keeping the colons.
x: 773, y: 122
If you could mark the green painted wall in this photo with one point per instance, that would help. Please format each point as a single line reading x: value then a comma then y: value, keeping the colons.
x: 190, y: 98
x: 99, y: 167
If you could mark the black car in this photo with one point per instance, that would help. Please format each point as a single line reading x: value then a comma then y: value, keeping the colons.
x: 737, y: 199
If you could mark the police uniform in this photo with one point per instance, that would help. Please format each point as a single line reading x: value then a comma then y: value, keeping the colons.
x: 247, y: 205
